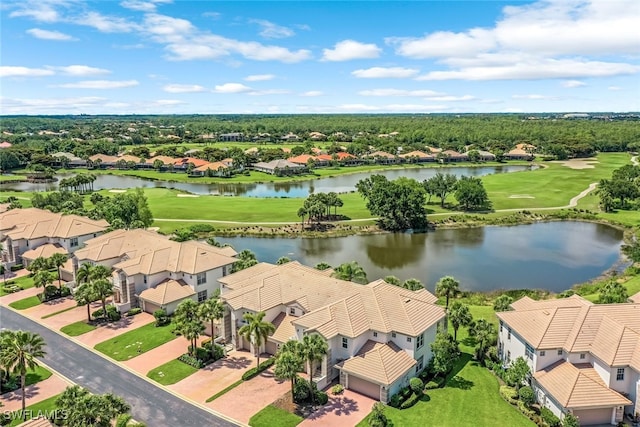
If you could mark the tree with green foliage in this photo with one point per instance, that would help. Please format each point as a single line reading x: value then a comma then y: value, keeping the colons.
x: 471, y: 194
x: 518, y: 372
x: 19, y: 351
x: 256, y: 330
x: 39, y: 264
x: 43, y: 278
x: 445, y: 352
x: 459, y: 315
x: 377, y: 418
x: 57, y: 260
x: 413, y: 284
x: 447, y: 287
x: 351, y: 272
x: 287, y: 366
x: 283, y: 260
x: 485, y: 336
x: 613, y: 293
x: 322, y: 266
x: 392, y: 280
x: 398, y: 204
x: 527, y: 396
x: 632, y: 250
x: 570, y: 420
x: 313, y: 350
x: 85, y: 409
x: 212, y: 310
x: 102, y: 289
x: 246, y: 259
x: 441, y: 185
x: 85, y: 295
x: 502, y: 303
x: 188, y: 321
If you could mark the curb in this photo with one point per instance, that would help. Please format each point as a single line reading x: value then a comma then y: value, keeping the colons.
x: 126, y: 368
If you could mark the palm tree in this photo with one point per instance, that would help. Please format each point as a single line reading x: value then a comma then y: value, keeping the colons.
x: 288, y: 364
x: 485, y: 336
x: 392, y: 280
x: 256, y: 331
x: 212, y: 310
x: 447, y: 287
x: 302, y: 212
x: 18, y: 353
x: 283, y: 260
x: 99, y: 272
x: 39, y: 264
x: 314, y: 348
x: 351, y: 272
x: 189, y: 323
x: 42, y: 278
x: 459, y: 315
x: 85, y: 294
x: 57, y: 260
x: 102, y: 289
x: 322, y: 266
x: 83, y: 273
x: 413, y: 284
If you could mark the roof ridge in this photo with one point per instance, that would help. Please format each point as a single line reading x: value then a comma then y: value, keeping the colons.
x: 555, y: 312
x: 379, y: 353
x: 574, y: 384
x: 381, y: 312
x: 579, y: 326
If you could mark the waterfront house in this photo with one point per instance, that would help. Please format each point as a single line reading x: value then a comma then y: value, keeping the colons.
x: 382, y: 157
x: 418, y: 157
x: 584, y: 357
x: 273, y: 167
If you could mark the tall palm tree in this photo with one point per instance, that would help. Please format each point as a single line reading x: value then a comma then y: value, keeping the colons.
x: 485, y: 336
x: 57, y: 260
x: 351, y: 271
x: 314, y: 348
x: 288, y: 364
x: 85, y: 295
x: 18, y: 353
x: 102, y: 289
x: 212, y: 310
x: 39, y: 264
x: 99, y: 272
x: 447, y: 287
x: 43, y: 278
x: 459, y: 315
x: 413, y: 284
x: 189, y: 323
x: 83, y: 273
x: 256, y: 331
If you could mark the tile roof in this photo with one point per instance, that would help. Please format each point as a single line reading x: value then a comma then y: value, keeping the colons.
x: 418, y: 154
x: 33, y: 223
x: 167, y: 291
x: 214, y: 166
x: 377, y: 362
x: 103, y: 158
x: 44, y: 251
x: 578, y: 386
x: 301, y: 159
x: 278, y: 163
x: 164, y: 159
x: 383, y: 154
x: 285, y: 330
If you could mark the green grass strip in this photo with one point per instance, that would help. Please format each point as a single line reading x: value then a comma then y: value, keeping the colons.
x: 171, y: 372
x: 271, y: 416
x: 77, y: 328
x: 23, y: 304
x: 57, y: 312
x: 137, y: 341
x: 47, y: 405
x: 223, y: 391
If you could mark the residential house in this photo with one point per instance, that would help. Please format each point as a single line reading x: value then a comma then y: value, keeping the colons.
x: 231, y: 137
x: 103, y: 160
x: 64, y: 159
x: 262, y: 137
x: 418, y: 157
x: 5, y: 144
x: 166, y: 161
x: 584, y: 357
x: 317, y: 136
x: 183, y: 163
x: 274, y: 166
x: 290, y: 137
x: 635, y: 298
x: 452, y: 156
x: 211, y: 169
x: 28, y: 233
x: 485, y: 156
x: 383, y: 157
x: 303, y: 159
x: 378, y: 334
x: 152, y: 272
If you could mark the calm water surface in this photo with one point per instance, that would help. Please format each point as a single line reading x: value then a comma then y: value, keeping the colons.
x: 553, y: 256
x: 340, y: 184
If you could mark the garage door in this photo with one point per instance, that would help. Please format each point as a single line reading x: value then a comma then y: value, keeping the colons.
x: 594, y: 416
x: 150, y: 308
x: 271, y: 348
x: 364, y: 387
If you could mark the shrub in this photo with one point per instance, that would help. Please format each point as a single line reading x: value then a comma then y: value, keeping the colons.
x: 134, y: 311
x: 431, y: 385
x: 16, y: 267
x: 528, y: 412
x: 527, y: 396
x: 395, y: 401
x: 65, y: 291
x: 161, y: 317
x: 201, y: 228
x: 321, y: 397
x: 416, y: 385
x: 412, y: 400
x: 549, y: 417
x: 207, y: 343
x: 191, y: 361
x: 337, y: 389
x: 266, y: 364
x: 509, y: 394
x: 112, y: 313
x: 377, y: 417
x: 218, y: 352
x: 300, y: 391
x: 251, y: 373
x: 98, y: 313
x: 405, y: 392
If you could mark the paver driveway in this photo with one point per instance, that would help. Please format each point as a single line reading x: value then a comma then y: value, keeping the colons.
x: 17, y: 296
x: 215, y: 377
x: 250, y: 397
x: 113, y: 329
x: 159, y: 355
x: 346, y: 409
x: 49, y: 307
x: 34, y: 393
x: 68, y: 317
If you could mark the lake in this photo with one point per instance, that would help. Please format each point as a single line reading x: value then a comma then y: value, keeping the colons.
x: 339, y: 184
x: 552, y: 255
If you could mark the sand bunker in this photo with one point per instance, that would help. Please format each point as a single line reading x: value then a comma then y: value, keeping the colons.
x: 117, y: 191
x: 578, y: 163
x: 188, y: 195
x: 521, y: 196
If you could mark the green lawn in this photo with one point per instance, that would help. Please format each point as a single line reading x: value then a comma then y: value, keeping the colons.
x: 171, y: 372
x: 144, y: 338
x: 77, y: 328
x: 39, y: 374
x: 47, y: 405
x: 7, y: 178
x: 632, y: 285
x: 23, y: 304
x: 57, y: 312
x: 271, y: 416
x: 25, y: 282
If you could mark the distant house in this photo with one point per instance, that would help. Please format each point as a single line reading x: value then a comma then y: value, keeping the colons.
x: 210, y: 169
x: 346, y: 158
x: 5, y: 144
x: 303, y: 159
x: 231, y: 137
x: 274, y: 166
x: 518, y: 154
x: 317, y: 136
x: 262, y: 137
x: 453, y: 156
x: 129, y: 158
x: 103, y: 160
x: 183, y: 163
x: 434, y: 150
x: 71, y: 160
x: 166, y: 160
x: 485, y: 156
x: 382, y: 157
x: 418, y: 157
x: 290, y: 137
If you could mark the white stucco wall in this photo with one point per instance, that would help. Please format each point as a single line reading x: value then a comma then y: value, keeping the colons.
x: 401, y: 341
x: 575, y: 357
x: 545, y: 399
x: 550, y: 357
x: 515, y: 345
x: 603, y: 370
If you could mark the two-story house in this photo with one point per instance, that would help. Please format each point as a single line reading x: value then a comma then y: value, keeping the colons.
x: 152, y: 272
x: 27, y: 234
x: 584, y: 357
x: 378, y: 334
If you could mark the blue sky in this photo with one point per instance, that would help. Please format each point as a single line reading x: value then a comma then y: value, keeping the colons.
x: 163, y: 56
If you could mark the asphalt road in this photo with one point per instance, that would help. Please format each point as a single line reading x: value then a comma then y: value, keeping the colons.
x: 149, y: 403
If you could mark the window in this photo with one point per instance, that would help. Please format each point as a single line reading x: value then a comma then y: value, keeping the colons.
x: 528, y: 351
x: 292, y: 310
x: 509, y: 333
x: 95, y: 234
x: 201, y: 278
x: 559, y: 352
x: 202, y: 296
x: 501, y: 326
x: 408, y: 339
x: 375, y: 334
x: 420, y: 364
x: 74, y: 242
x: 508, y: 357
x: 393, y: 334
x: 420, y: 339
x: 345, y: 343
x: 583, y: 356
x: 543, y: 353
x: 620, y: 374
x: 144, y: 279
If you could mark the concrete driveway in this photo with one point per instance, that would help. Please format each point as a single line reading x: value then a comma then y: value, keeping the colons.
x: 68, y: 317
x: 34, y: 393
x: 215, y: 377
x: 346, y: 409
x: 50, y: 307
x: 250, y: 397
x: 17, y: 296
x: 113, y: 329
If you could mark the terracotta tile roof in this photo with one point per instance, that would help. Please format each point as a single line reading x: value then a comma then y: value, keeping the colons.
x: 377, y: 362
x: 186, y: 160
x: 103, y: 158
x: 418, y: 154
x: 167, y: 291
x: 32, y: 223
x: 301, y: 159
x: 164, y: 159
x: 578, y: 386
x: 129, y: 158
x: 285, y: 330
x: 454, y: 154
x: 44, y: 251
x: 526, y: 303
x: 381, y: 154
x: 214, y: 166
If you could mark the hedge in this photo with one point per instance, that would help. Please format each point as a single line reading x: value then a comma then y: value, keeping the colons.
x: 412, y: 400
x: 509, y: 394
x: 254, y: 372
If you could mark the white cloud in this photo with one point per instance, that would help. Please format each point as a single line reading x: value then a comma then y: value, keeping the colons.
x: 13, y: 71
x: 271, y: 30
x: 48, y: 105
x: 534, y: 96
x: 39, y: 10
x: 385, y: 73
x: 80, y: 70
x: 269, y: 92
x: 443, y: 44
x: 142, y: 6
x: 347, y: 50
x: 167, y: 28
x: 181, y: 88
x: 100, y: 84
x: 311, y: 93
x: 49, y: 35
x: 614, y: 88
x: 260, y: 77
x: 573, y: 83
x: 451, y: 98
x: 232, y: 88
x: 399, y: 92
x: 168, y: 102
x: 106, y: 24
